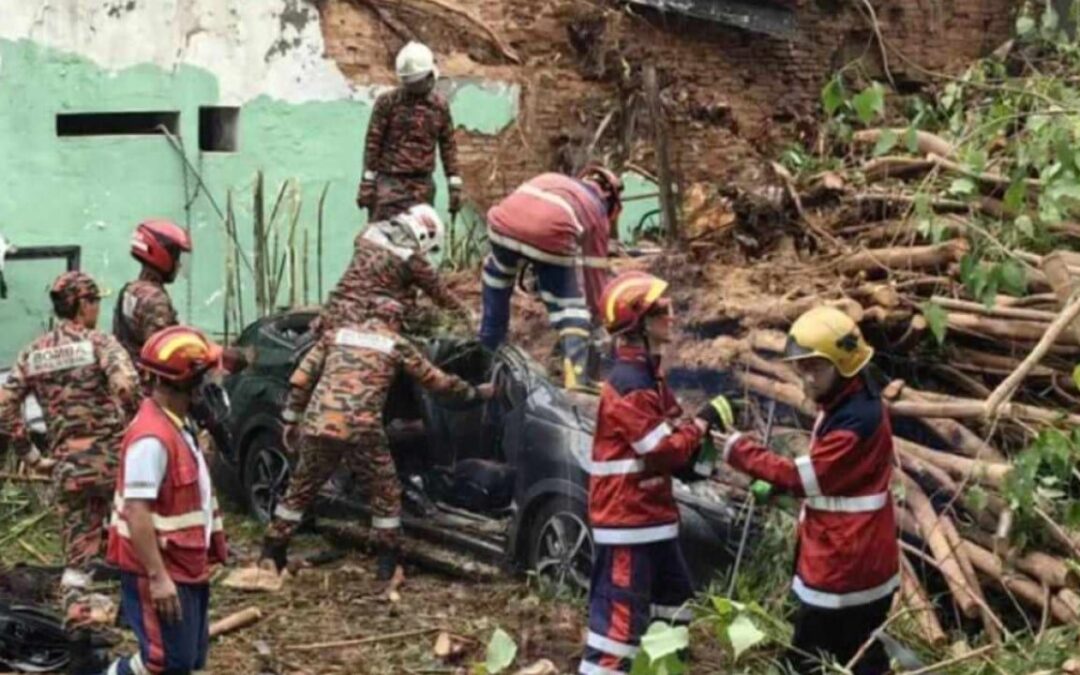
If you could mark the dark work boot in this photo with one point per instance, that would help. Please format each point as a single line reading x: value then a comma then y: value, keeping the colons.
x: 89, y: 652
x: 385, y: 564
x: 276, y: 552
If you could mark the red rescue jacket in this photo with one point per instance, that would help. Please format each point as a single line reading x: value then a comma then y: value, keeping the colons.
x: 637, y: 447
x: 847, y: 549
x: 557, y: 220
x: 177, y: 512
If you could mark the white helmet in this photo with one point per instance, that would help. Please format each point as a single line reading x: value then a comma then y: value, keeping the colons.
x: 414, y: 62
x: 426, y: 226
x: 418, y: 230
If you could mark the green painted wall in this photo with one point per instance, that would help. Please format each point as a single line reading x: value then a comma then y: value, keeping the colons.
x: 92, y: 191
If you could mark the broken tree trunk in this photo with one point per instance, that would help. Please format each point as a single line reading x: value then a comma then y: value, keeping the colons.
x: 994, y: 310
x: 927, y: 142
x: 1060, y: 279
x: 1006, y: 389
x: 956, y: 435
x: 1022, y: 587
x: 905, y: 257
x: 663, y: 161
x: 932, y: 533
x: 1013, y: 330
x: 783, y: 392
x: 880, y: 168
x: 989, y: 473
x: 919, y: 604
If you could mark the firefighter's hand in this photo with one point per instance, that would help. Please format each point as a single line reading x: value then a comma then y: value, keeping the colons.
x: 165, y: 598
x: 717, y: 414
x: 455, y: 201
x: 365, y: 196
x: 485, y: 391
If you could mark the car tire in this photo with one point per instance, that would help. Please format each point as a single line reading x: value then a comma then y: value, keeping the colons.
x: 266, y: 474
x: 560, y: 545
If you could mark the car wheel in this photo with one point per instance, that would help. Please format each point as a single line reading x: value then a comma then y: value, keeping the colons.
x: 561, y: 546
x: 266, y: 475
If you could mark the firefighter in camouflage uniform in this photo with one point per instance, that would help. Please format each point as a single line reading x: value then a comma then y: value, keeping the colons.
x: 399, y: 154
x: 335, y: 407
x: 391, y: 259
x: 88, y: 390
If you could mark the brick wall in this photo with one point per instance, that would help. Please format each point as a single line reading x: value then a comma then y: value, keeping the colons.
x: 730, y: 94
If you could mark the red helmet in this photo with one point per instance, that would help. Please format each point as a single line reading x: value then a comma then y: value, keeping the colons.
x: 609, y: 184
x: 629, y: 298
x: 158, y: 243
x: 179, y: 354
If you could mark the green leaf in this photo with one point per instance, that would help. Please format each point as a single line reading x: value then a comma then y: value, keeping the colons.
x: 832, y: 96
x: 869, y: 103
x: 1025, y: 226
x: 937, y: 319
x: 1076, y: 376
x: 975, y: 160
x: 1011, y: 277
x: 501, y: 651
x: 1015, y: 196
x: 663, y: 639
x: 743, y: 635
x: 976, y: 498
x: 1025, y: 25
x: 1050, y: 20
x: 886, y: 142
x: 911, y: 139
x: 962, y: 186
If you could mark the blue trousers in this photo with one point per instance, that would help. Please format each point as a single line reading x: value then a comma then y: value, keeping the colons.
x: 171, y: 648
x: 632, y: 586
x: 567, y: 310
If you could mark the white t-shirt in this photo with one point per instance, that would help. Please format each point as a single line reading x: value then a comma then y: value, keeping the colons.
x: 145, y: 465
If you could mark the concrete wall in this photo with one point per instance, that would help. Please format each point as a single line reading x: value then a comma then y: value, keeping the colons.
x: 301, y: 120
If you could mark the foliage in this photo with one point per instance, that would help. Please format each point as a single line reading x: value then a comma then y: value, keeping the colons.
x: 660, y: 647
x: 501, y: 652
x: 1044, y: 478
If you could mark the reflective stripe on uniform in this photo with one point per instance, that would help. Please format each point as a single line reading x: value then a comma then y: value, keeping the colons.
x: 289, y: 416
x: 730, y: 443
x: 164, y: 523
x: 494, y: 282
x: 348, y: 337
x: 556, y: 201
x: 653, y: 439
x: 616, y: 467
x: 587, y: 668
x: 874, y: 502
x: 609, y: 646
x: 380, y: 523
x: 841, y: 600
x: 285, y: 513
x: 596, y: 262
x: 676, y: 613
x: 806, y: 474
x: 551, y: 299
x: 454, y: 181
x: 569, y: 313
x: 497, y: 264
x: 635, y: 535
x: 532, y: 252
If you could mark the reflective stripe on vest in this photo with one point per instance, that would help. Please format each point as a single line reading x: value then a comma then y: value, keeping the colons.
x: 617, y: 467
x: 635, y: 535
x: 652, y: 439
x: 167, y: 524
x: 874, y: 502
x: 532, y: 252
x: 840, y: 600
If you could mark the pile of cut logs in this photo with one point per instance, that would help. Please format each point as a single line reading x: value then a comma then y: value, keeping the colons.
x: 1002, y: 376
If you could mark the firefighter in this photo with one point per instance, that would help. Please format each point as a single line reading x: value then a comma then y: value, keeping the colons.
x: 88, y: 390
x: 847, y: 567
x: 166, y: 530
x: 144, y: 307
x: 406, y: 125
x: 639, y: 573
x: 560, y: 226
x: 335, y: 408
x: 391, y: 259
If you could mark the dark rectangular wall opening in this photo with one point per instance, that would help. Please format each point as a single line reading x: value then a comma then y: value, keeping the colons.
x: 218, y: 128
x: 117, y: 123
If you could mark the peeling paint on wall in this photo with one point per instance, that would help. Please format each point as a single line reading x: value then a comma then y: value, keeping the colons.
x: 485, y: 107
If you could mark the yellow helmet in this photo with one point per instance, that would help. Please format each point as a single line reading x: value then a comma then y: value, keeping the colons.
x: 828, y: 333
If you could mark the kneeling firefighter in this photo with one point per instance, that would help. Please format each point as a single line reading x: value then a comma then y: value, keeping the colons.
x: 847, y: 566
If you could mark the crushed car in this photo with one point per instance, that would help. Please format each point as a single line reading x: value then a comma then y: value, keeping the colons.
x: 506, y: 480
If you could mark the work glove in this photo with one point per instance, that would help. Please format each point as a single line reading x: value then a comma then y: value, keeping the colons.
x: 717, y: 414
x: 455, y: 200
x: 761, y: 490
x: 365, y: 196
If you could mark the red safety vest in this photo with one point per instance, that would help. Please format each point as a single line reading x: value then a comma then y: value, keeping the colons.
x: 847, y: 549
x: 557, y: 220
x: 179, y: 521
x: 637, y: 447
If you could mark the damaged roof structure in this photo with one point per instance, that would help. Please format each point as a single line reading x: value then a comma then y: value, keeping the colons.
x: 776, y: 18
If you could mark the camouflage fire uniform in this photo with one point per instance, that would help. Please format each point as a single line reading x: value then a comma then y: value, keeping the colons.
x: 88, y: 390
x: 378, y: 273
x: 337, y: 396
x: 143, y: 308
x: 399, y: 154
